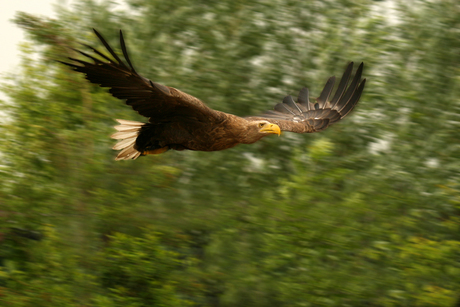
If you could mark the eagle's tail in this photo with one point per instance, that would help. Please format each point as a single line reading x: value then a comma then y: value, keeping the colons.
x: 127, y: 133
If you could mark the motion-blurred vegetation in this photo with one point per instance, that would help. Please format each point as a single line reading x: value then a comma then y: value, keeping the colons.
x: 366, y: 213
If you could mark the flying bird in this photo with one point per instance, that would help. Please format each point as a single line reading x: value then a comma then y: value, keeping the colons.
x: 180, y: 121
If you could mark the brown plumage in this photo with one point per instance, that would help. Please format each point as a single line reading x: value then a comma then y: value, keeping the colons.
x: 180, y: 121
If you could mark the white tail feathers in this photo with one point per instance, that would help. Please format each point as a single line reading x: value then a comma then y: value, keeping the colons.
x: 127, y: 133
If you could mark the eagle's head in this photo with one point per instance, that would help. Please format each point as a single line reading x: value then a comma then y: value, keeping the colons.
x: 265, y: 127
x: 257, y: 129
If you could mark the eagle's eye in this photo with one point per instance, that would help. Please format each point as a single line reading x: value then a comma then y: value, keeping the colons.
x: 261, y: 125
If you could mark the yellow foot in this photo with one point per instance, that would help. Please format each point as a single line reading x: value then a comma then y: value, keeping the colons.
x: 155, y: 151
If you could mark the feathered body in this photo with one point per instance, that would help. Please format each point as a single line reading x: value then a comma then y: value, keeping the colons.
x: 180, y: 121
x: 190, y: 133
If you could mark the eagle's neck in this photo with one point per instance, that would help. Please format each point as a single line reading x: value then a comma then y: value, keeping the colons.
x: 242, y: 130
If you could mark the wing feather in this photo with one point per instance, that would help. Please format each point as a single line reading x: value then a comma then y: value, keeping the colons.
x: 322, y: 100
x: 109, y: 49
x: 294, y: 106
x: 351, y: 89
x: 284, y: 108
x: 303, y: 96
x: 125, y: 51
x: 342, y: 85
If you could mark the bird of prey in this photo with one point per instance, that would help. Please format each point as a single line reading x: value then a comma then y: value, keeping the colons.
x: 180, y: 121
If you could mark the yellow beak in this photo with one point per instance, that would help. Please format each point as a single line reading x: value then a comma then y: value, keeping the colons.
x: 271, y: 128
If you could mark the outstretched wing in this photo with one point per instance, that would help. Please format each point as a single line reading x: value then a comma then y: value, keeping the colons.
x: 150, y: 99
x: 307, y: 117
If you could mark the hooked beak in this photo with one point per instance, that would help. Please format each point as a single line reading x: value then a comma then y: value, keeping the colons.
x: 271, y: 128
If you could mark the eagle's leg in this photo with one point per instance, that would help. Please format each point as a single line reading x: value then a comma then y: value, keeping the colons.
x: 155, y: 151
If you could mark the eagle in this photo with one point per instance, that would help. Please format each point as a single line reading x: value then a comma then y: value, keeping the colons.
x: 179, y: 121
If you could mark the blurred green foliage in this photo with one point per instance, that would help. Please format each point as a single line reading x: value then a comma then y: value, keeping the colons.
x: 366, y: 213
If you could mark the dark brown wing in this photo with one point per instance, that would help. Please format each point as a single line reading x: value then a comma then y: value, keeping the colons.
x: 150, y: 99
x: 307, y: 117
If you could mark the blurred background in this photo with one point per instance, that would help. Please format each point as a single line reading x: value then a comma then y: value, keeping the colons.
x: 366, y: 213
